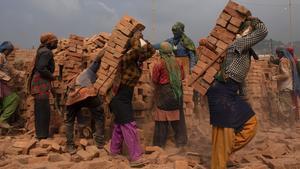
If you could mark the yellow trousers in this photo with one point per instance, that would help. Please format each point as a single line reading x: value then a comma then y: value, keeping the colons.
x: 225, y: 142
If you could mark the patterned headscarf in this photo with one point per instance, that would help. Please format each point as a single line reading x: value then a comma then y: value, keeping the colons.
x: 47, y: 38
x: 173, y: 68
x: 296, y: 79
x: 6, y: 46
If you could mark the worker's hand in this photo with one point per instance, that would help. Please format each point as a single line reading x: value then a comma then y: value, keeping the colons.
x: 274, y: 78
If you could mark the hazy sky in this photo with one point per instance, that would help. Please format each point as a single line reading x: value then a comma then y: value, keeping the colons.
x: 22, y: 21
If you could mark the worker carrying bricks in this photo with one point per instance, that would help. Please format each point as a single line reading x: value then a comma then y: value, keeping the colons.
x: 167, y: 76
x: 81, y: 93
x: 289, y: 86
x: 40, y: 83
x: 125, y: 128
x: 9, y: 99
x: 233, y: 120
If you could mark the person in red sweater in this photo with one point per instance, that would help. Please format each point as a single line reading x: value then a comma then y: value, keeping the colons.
x: 167, y: 76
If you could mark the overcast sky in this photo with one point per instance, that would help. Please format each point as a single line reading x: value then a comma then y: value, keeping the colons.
x: 22, y: 21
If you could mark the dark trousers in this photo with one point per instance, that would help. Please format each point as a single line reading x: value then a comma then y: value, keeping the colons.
x: 42, y: 117
x: 162, y: 128
x: 94, y: 105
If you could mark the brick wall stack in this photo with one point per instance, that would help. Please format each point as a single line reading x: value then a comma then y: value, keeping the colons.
x: 116, y: 48
x: 144, y: 92
x: 262, y: 92
x: 210, y: 50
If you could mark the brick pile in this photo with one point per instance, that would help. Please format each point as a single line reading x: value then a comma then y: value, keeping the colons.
x: 94, y: 44
x: 116, y: 48
x: 144, y: 91
x: 210, y: 50
x: 261, y: 91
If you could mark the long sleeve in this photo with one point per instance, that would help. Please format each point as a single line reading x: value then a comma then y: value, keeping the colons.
x: 156, y: 73
x: 245, y: 43
x: 45, y: 58
x: 94, y: 67
x: 193, y: 59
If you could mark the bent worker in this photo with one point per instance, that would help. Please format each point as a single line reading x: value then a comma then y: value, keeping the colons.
x: 167, y: 76
x: 125, y: 128
x: 9, y: 98
x: 233, y: 120
x: 40, y: 83
x: 81, y: 93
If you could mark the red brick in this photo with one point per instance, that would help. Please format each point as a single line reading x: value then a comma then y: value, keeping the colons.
x: 198, y: 87
x: 232, y: 5
x: 243, y: 10
x: 211, y: 71
x: 205, y: 51
x: 208, y: 78
x: 212, y: 40
x: 236, y: 21
x: 123, y: 29
x: 233, y: 13
x: 232, y: 28
x: 205, y: 59
x: 222, y: 22
x: 225, y: 16
x: 216, y: 66
x: 223, y: 34
x: 222, y: 45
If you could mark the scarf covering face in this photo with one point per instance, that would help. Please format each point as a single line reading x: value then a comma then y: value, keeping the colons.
x: 178, y: 31
x: 173, y: 68
x: 296, y: 80
x: 47, y: 38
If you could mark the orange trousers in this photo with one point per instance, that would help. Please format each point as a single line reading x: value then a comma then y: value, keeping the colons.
x: 225, y: 142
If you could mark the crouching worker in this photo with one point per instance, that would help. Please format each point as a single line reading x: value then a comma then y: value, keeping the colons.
x: 81, y: 93
x: 9, y: 100
x: 167, y: 76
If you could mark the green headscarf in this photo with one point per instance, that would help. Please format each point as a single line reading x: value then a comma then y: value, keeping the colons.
x: 173, y: 68
x: 178, y: 28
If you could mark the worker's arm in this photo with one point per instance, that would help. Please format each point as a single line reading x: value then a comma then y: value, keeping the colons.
x: 41, y: 66
x: 258, y: 34
x: 156, y: 73
x: 285, y: 70
x: 193, y: 59
x: 96, y: 63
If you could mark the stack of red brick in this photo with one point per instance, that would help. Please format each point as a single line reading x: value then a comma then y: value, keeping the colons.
x: 261, y: 91
x: 210, y: 50
x: 144, y: 91
x: 116, y: 48
x: 93, y: 45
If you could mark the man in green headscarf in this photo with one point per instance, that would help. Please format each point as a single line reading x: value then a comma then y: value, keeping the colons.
x: 182, y: 45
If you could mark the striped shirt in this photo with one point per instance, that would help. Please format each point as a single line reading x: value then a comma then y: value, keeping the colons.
x: 237, y: 62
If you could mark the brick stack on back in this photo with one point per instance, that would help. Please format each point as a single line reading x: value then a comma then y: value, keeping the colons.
x: 116, y: 48
x: 210, y: 50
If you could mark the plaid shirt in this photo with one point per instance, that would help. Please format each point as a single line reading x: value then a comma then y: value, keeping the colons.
x: 237, y: 62
x: 132, y: 62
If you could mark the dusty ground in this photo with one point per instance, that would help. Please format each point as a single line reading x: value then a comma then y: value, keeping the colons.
x: 277, y: 148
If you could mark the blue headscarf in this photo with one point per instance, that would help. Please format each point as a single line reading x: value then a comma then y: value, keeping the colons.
x: 296, y: 79
x: 6, y: 46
